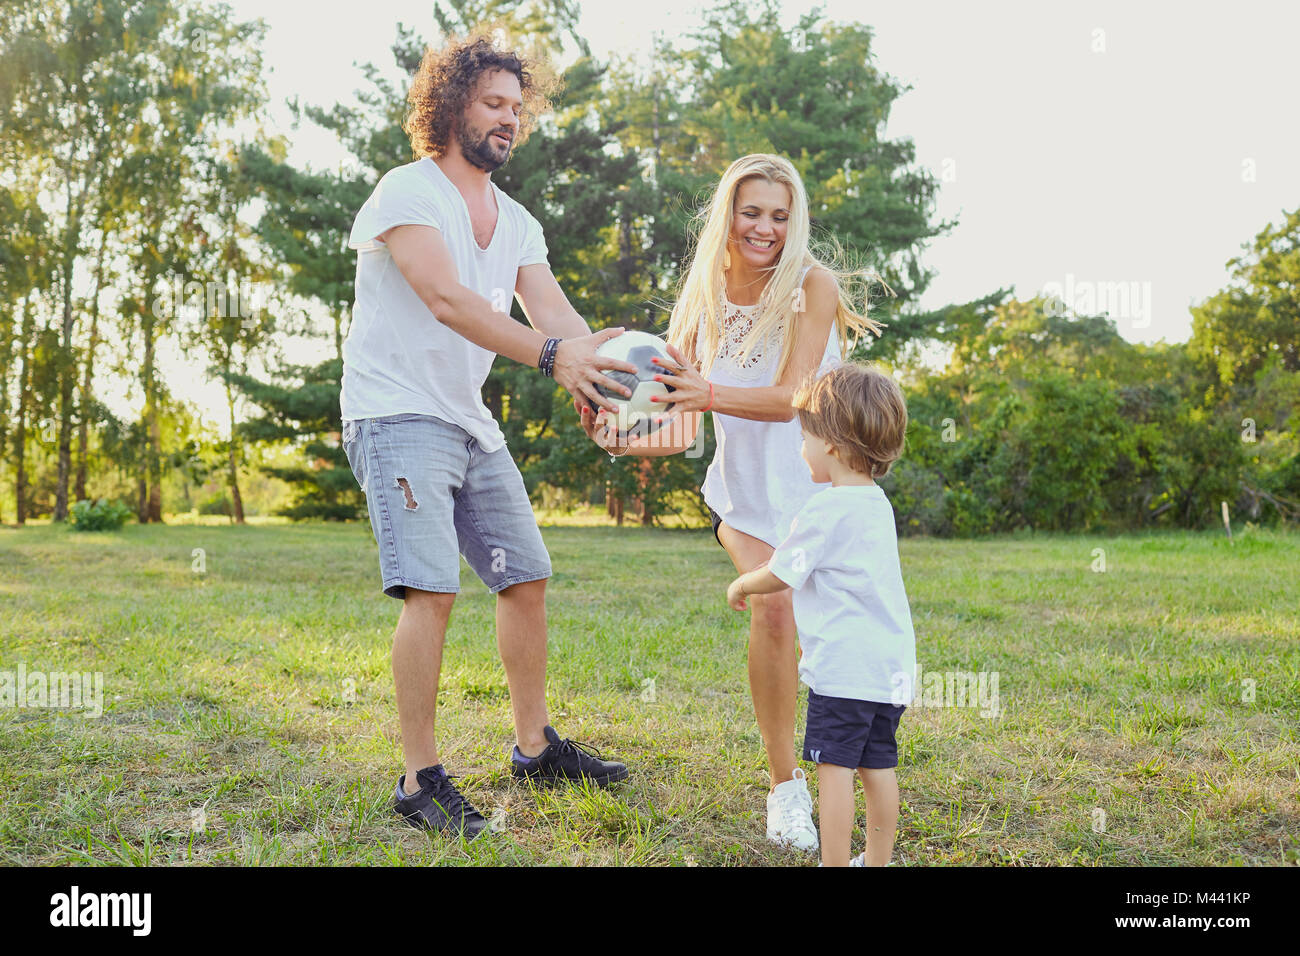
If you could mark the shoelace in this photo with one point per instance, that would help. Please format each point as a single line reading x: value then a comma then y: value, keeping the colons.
x: 452, y: 802
x: 792, y: 812
x: 568, y: 746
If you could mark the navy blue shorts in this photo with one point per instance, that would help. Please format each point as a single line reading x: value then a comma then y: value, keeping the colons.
x: 851, y: 733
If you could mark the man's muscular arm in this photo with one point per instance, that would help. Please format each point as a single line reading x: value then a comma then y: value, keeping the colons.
x: 546, y: 305
x: 421, y: 255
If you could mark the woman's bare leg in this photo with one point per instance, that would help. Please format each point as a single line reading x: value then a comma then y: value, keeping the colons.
x: 773, y: 666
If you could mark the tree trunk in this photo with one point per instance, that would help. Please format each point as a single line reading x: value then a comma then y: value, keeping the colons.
x: 67, y: 362
x: 155, y: 467
x: 20, y: 433
x: 613, y: 505
x: 83, y: 421
x: 83, y: 425
x: 645, y: 470
x: 6, y: 363
x: 67, y: 379
x: 151, y: 506
x: 236, y: 501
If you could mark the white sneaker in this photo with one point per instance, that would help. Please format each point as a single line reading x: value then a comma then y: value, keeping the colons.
x: 789, y: 814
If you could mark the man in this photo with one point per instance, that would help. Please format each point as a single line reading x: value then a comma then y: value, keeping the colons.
x: 440, y: 252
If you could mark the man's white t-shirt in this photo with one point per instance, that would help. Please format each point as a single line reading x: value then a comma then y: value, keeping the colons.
x: 855, y: 627
x: 398, y: 357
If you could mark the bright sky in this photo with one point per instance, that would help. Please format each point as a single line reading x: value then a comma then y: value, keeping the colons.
x: 1115, y: 153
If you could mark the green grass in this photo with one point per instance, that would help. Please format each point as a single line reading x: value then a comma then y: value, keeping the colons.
x: 225, y: 692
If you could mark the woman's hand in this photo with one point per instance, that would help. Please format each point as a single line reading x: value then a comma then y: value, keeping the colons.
x: 596, y: 425
x: 691, y: 390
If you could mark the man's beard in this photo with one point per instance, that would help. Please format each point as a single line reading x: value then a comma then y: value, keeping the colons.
x: 483, y: 153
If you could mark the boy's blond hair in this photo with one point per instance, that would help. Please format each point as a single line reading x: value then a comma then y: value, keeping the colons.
x: 860, y: 411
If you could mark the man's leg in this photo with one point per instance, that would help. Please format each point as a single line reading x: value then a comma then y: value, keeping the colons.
x: 521, y: 640
x: 417, y: 663
x: 499, y: 538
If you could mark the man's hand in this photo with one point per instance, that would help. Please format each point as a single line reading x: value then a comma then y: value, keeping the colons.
x: 578, y: 368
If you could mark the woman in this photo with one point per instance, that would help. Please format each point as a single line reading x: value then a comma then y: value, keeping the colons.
x: 756, y: 313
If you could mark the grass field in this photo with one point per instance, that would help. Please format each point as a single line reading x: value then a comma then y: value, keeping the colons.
x: 248, y: 715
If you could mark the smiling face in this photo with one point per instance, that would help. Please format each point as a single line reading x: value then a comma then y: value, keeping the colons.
x: 759, y: 221
x: 487, y: 129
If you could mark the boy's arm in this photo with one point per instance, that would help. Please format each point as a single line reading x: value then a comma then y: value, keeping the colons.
x: 759, y: 581
x: 793, y: 559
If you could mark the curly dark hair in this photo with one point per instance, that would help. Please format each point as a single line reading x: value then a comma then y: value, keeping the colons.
x: 446, y: 79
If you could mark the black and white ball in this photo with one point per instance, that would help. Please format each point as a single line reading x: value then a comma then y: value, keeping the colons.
x: 637, y: 413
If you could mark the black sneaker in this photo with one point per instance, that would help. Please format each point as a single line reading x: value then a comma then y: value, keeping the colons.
x: 437, y: 805
x: 566, y: 760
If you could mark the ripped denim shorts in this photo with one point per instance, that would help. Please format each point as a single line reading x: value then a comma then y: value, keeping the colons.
x: 434, y: 494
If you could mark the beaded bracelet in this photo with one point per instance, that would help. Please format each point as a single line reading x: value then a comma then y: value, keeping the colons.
x: 546, y: 362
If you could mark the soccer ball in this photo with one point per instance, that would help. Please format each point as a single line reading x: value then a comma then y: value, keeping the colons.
x: 637, y: 412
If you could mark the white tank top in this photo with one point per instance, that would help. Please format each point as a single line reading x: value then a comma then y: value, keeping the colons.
x: 757, y: 480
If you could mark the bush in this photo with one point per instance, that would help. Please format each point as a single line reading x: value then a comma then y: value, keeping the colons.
x: 101, y: 515
x: 216, y: 504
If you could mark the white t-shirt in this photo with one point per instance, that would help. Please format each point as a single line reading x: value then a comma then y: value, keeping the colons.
x: 398, y: 357
x: 757, y: 480
x: 855, y: 627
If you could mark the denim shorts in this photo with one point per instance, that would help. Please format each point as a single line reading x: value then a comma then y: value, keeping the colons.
x: 433, y: 494
x: 851, y: 733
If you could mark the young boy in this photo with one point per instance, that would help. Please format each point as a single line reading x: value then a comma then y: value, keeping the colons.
x: 855, y: 628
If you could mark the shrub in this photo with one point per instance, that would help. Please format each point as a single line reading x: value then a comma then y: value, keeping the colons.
x: 216, y: 504
x: 101, y: 515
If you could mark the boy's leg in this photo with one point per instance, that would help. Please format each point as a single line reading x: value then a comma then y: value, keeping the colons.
x: 881, y: 788
x: 835, y: 808
x: 521, y: 641
x: 417, y: 664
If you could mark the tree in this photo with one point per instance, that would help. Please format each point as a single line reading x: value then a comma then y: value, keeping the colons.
x: 812, y: 94
x: 306, y: 411
x: 25, y: 277
x: 232, y: 322
x: 1257, y: 318
x: 108, y: 102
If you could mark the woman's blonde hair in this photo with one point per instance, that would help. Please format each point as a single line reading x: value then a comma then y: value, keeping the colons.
x: 701, y: 288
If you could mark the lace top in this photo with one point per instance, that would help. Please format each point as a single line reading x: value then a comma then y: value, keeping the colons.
x: 757, y: 480
x: 737, y: 323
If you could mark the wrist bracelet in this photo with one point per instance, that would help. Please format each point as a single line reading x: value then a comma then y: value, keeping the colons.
x: 546, y: 361
x: 710, y: 405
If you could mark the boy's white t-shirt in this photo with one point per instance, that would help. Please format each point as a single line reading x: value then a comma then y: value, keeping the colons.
x: 398, y: 357
x: 855, y: 627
